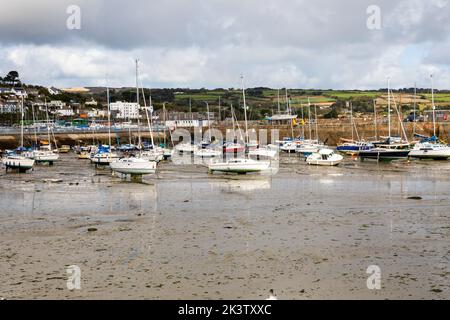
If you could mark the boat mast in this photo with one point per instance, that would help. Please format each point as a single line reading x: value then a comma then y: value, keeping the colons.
x: 375, y: 118
x: 109, y: 118
x: 287, y: 102
x: 220, y: 113
x: 48, y: 125
x: 317, y: 123
x: 292, y: 120
x: 245, y: 110
x: 21, y: 127
x: 209, y: 126
x: 164, y: 123
x: 34, y: 125
x: 149, y: 119
x: 389, y: 107
x: 351, y: 119
x: 415, y: 106
x: 137, y: 101
x: 279, y: 110
x: 309, y: 120
x: 433, y: 106
x: 190, y: 111
x: 303, y: 121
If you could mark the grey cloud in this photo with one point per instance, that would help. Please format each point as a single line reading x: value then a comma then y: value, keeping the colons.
x: 320, y: 43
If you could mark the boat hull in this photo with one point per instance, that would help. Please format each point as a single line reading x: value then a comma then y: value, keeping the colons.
x: 240, y: 168
x: 430, y: 154
x: 46, y: 157
x: 203, y: 153
x: 103, y: 160
x: 384, y: 155
x: 134, y: 169
x: 18, y: 164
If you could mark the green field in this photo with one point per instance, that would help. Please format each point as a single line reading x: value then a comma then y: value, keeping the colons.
x: 352, y: 94
x: 439, y: 97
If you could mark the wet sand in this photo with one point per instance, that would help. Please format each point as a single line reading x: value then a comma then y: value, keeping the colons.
x: 307, y: 232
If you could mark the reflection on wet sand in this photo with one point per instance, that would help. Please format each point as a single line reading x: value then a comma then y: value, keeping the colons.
x: 242, y: 184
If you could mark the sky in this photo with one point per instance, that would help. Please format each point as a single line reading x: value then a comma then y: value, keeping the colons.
x: 322, y: 44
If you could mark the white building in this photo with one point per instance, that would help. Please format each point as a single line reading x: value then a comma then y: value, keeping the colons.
x: 173, y: 124
x: 65, y: 112
x: 96, y: 113
x: 126, y: 110
x: 53, y: 91
x: 91, y: 103
x: 56, y: 104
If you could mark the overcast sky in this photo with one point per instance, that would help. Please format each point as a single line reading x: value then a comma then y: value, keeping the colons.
x: 209, y: 43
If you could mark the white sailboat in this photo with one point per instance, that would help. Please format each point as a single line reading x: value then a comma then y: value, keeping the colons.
x: 135, y: 165
x: 15, y: 160
x: 240, y: 165
x: 155, y: 154
x: 104, y: 154
x: 431, y: 148
x: 186, y: 148
x: 205, y: 149
x: 45, y: 153
x: 267, y: 151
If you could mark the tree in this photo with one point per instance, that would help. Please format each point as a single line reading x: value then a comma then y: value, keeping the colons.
x: 332, y: 114
x: 12, y: 78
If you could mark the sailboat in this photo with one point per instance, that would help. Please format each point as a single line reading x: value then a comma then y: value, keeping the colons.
x: 206, y: 149
x: 290, y: 144
x: 153, y: 153
x: 430, y: 148
x: 16, y: 160
x: 393, y: 147
x: 308, y: 147
x: 352, y: 147
x: 45, y: 154
x: 240, y: 165
x: 104, y: 154
x: 234, y: 147
x: 135, y: 165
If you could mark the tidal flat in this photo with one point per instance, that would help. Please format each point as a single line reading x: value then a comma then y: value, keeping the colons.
x: 306, y: 232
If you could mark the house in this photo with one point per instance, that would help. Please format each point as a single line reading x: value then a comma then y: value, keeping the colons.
x: 19, y: 92
x: 125, y: 110
x: 10, y: 106
x: 174, y: 124
x: 65, y: 112
x: 5, y: 91
x: 53, y: 91
x: 176, y: 116
x: 91, y: 103
x: 56, y: 104
x: 97, y: 113
x: 32, y: 91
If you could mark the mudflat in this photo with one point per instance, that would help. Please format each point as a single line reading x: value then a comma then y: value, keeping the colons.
x: 306, y: 232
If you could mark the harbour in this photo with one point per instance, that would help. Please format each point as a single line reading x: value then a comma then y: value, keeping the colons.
x: 213, y: 157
